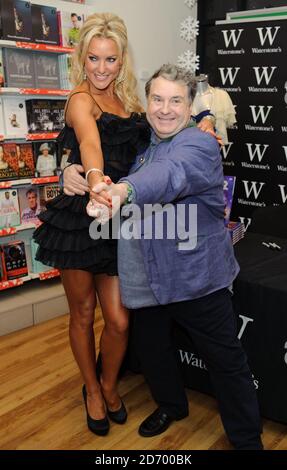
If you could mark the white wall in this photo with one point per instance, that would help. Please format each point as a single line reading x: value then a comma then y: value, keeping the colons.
x: 153, y: 28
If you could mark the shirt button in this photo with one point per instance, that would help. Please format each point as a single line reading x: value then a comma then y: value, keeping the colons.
x: 141, y: 159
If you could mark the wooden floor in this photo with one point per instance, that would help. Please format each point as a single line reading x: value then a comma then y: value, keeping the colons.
x: 41, y: 405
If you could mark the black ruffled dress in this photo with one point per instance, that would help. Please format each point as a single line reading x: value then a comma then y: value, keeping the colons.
x: 63, y: 238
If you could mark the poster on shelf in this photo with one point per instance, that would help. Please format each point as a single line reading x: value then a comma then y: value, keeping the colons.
x: 16, y: 20
x: 29, y: 202
x: 15, y: 120
x: 45, y: 24
x: 9, y: 208
x: 45, y: 154
x: 18, y: 68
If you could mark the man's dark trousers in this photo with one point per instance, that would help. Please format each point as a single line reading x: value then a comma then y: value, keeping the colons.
x: 211, y: 323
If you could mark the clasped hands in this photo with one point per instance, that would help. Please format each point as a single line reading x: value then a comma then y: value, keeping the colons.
x: 106, y: 199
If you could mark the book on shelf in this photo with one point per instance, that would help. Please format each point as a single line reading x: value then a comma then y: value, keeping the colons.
x: 15, y: 120
x: 65, y: 65
x: 2, y: 80
x: 45, y: 154
x: 9, y: 165
x: 29, y: 202
x: 45, y: 115
x: 9, y: 208
x: 228, y: 191
x: 39, y: 115
x: 45, y: 24
x: 47, y: 193
x: 58, y: 114
x: 47, y: 73
x: 236, y: 230
x: 14, y: 261
x: 16, y: 23
x: 18, y: 68
x: 70, y: 24
x: 26, y: 160
x: 37, y: 266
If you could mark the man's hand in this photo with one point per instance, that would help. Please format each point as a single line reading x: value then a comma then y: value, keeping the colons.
x: 74, y: 182
x: 102, y: 194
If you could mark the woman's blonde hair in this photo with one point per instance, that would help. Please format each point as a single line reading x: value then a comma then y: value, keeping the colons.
x: 109, y: 26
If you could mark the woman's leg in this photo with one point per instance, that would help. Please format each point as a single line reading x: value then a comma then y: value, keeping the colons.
x: 80, y: 290
x: 114, y: 337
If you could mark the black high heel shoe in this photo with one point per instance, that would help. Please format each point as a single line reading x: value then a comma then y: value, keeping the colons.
x: 97, y: 426
x: 118, y: 416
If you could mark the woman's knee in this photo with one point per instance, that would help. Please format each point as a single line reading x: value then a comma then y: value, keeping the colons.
x: 83, y: 315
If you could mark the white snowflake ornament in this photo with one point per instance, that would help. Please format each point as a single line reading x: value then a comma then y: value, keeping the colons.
x: 189, y: 61
x: 190, y: 3
x: 189, y: 29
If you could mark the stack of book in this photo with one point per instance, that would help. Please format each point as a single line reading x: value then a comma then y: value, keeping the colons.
x: 236, y: 230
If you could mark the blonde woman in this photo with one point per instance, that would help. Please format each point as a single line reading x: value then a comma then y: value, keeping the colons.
x: 105, y: 129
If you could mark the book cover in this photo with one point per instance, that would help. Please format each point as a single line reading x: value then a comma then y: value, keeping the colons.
x: 57, y: 114
x: 45, y: 158
x: 65, y: 65
x: 2, y: 76
x: 9, y: 208
x: 14, y: 260
x: 18, y: 68
x: 15, y: 120
x: 26, y: 160
x: 29, y: 202
x: 16, y: 20
x: 71, y: 24
x: 45, y: 24
x: 9, y: 166
x: 2, y: 127
x: 228, y: 191
x: 39, y: 116
x: 47, y: 193
x: 47, y: 73
x: 37, y: 266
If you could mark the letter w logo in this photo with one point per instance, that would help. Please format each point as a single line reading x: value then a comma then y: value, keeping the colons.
x: 263, y: 74
x: 226, y: 149
x: 268, y: 34
x: 229, y: 74
x: 256, y: 151
x: 253, y: 188
x: 231, y: 36
x: 260, y: 113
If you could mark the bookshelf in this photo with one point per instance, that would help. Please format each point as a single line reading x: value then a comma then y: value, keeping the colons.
x: 27, y: 300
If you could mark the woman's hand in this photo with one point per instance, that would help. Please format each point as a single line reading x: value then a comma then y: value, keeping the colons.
x: 206, y: 125
x: 106, y: 200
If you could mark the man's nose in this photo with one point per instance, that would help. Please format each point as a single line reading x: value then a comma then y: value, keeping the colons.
x: 165, y: 109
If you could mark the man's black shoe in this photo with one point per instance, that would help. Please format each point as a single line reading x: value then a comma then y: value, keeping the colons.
x: 156, y: 423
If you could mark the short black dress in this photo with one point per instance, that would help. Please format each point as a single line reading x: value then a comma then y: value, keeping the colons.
x: 63, y: 238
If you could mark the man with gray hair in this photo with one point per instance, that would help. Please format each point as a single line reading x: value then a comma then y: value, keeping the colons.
x: 163, y: 281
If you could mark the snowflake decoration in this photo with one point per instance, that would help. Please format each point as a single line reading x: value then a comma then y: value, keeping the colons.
x: 189, y: 29
x: 189, y: 61
x: 190, y: 3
